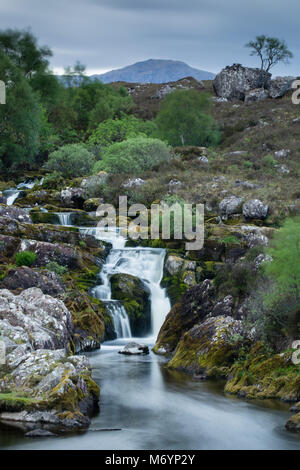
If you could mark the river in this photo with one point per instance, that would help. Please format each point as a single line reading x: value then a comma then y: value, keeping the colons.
x: 144, y: 405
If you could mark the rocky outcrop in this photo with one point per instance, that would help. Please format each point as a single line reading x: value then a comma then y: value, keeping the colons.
x: 255, y: 209
x: 47, y: 389
x: 14, y: 213
x: 135, y: 297
x: 194, y: 306
x: 73, y: 197
x: 18, y: 279
x: 209, y: 347
x: 280, y: 86
x: 235, y: 81
x: 35, y: 320
x: 258, y: 94
x: 230, y: 205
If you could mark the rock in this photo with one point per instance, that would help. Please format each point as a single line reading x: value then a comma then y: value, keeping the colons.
x: 132, y: 349
x: 8, y: 246
x: 223, y: 308
x: 57, y: 386
x: 193, y: 306
x: 92, y: 184
x: 282, y: 169
x: 255, y: 209
x: 262, y: 258
x: 173, y: 265
x: 174, y: 184
x: 134, y: 182
x: 230, y: 206
x: 134, y: 294
x: 40, y: 433
x: 282, y: 153
x: 203, y: 159
x: 92, y: 204
x: 279, y: 86
x: 35, y: 319
x: 208, y: 347
x: 293, y: 423
x: 235, y: 81
x: 258, y: 94
x: 14, y: 213
x: 73, y: 197
x: 295, y: 408
x: 24, y: 277
x: 65, y: 255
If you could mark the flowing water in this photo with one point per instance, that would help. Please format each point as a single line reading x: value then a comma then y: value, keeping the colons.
x: 12, y: 194
x: 146, y: 406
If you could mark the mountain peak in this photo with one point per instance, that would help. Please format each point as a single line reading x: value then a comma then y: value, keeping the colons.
x: 154, y: 71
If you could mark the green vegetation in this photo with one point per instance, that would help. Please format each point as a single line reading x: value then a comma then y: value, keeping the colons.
x: 271, y: 51
x: 71, y: 160
x: 25, y: 258
x: 184, y: 119
x: 134, y: 156
x: 56, y: 268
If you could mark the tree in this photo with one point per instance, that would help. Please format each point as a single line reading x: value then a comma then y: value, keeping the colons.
x: 270, y: 50
x: 22, y: 49
x: 72, y: 160
x: 21, y: 119
x: 183, y: 119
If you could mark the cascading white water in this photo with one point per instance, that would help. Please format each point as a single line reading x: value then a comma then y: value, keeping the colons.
x: 64, y: 218
x: 144, y: 263
x: 10, y: 196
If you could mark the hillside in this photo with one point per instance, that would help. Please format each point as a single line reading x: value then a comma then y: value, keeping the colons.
x: 154, y: 71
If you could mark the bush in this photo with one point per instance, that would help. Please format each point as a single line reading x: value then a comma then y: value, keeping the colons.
x: 72, y: 160
x: 117, y: 130
x: 56, y: 268
x: 25, y: 258
x: 134, y: 156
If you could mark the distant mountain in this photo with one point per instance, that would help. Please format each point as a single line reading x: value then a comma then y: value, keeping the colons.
x: 154, y: 71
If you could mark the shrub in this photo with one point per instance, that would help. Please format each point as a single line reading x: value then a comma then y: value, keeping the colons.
x: 117, y: 130
x: 134, y: 156
x: 25, y: 258
x: 72, y: 160
x: 56, y: 268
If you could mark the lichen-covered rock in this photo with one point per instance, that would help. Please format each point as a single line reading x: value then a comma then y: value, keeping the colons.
x: 173, y: 264
x: 235, y: 81
x: 15, y: 213
x: 293, y: 423
x: 194, y: 306
x: 92, y: 204
x: 210, y: 347
x: 64, y: 255
x: 35, y: 319
x: 8, y: 246
x: 258, y: 94
x: 73, y: 197
x: 280, y: 86
x: 135, y: 297
x: 133, y: 183
x: 230, y: 205
x: 255, y: 209
x: 18, y: 279
x: 47, y: 387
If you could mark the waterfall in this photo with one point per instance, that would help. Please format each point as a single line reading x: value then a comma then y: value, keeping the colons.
x: 10, y: 196
x: 144, y: 263
x: 64, y: 218
x: 120, y: 318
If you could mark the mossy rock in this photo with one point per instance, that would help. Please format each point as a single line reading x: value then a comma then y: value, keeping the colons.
x: 135, y: 297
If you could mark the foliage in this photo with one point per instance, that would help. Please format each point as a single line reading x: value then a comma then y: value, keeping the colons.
x: 72, y: 160
x: 119, y: 129
x: 270, y: 50
x: 134, y: 155
x: 184, y: 119
x: 56, y: 268
x: 236, y: 279
x: 25, y: 258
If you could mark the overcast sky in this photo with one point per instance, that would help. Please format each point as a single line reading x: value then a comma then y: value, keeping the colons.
x: 107, y: 34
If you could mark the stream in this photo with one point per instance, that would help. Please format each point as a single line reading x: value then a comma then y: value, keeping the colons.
x: 144, y: 405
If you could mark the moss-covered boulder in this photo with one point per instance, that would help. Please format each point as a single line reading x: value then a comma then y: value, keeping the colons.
x: 293, y: 423
x: 135, y: 297
x: 195, y: 304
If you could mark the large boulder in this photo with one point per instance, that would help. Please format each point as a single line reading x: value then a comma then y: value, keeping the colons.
x: 135, y: 297
x: 22, y: 278
x: 134, y: 349
x: 73, y: 197
x: 255, y: 209
x: 65, y: 255
x: 193, y: 307
x: 35, y: 320
x: 235, y: 81
x: 279, y: 86
x: 230, y: 205
x: 47, y: 389
x: 15, y: 213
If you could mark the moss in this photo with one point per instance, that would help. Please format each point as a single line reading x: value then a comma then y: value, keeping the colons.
x: 12, y: 402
